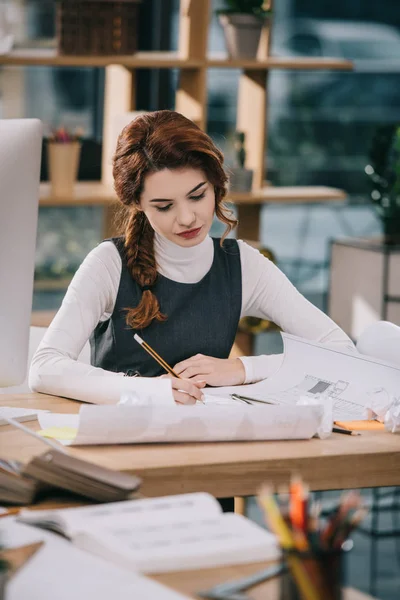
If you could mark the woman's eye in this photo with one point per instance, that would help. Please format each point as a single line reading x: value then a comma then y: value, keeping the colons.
x: 164, y: 208
x: 198, y: 197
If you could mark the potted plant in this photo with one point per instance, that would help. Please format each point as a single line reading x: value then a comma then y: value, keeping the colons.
x: 242, y: 22
x: 383, y: 171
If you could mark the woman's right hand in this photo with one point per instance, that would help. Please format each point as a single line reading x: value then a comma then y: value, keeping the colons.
x: 186, y: 391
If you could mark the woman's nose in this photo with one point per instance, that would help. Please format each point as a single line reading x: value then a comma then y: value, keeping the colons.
x: 186, y: 217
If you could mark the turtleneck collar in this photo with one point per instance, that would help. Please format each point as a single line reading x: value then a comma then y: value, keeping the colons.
x: 185, y: 265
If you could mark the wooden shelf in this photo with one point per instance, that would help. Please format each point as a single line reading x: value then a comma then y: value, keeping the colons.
x: 275, y: 62
x: 97, y: 194
x: 289, y: 195
x: 165, y: 60
x: 140, y: 60
x: 87, y: 193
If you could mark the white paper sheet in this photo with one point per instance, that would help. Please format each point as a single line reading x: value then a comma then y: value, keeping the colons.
x: 200, y: 423
x: 318, y: 371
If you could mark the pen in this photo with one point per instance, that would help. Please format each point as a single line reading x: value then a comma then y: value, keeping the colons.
x: 344, y: 431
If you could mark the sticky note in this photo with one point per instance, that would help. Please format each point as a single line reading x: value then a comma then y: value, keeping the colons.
x: 59, y: 433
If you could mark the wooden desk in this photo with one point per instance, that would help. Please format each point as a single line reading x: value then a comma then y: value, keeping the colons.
x: 225, y: 469
x: 190, y: 582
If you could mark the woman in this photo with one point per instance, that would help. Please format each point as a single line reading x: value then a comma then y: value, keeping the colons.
x: 168, y: 280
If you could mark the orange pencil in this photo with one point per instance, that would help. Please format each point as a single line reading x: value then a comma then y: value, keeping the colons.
x: 298, y: 504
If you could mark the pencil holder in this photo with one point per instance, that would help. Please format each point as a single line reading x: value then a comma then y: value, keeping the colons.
x: 323, y: 571
x: 63, y: 163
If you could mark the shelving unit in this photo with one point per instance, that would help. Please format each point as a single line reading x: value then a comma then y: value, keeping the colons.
x: 98, y: 194
x: 167, y: 60
x: 193, y: 61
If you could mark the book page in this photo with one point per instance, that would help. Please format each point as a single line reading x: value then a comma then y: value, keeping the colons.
x: 149, y: 511
x: 185, y: 544
x: 123, y: 424
x: 63, y: 571
x: 317, y: 371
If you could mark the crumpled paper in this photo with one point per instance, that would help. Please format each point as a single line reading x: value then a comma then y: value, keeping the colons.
x: 392, y: 417
x: 385, y: 408
x: 325, y: 428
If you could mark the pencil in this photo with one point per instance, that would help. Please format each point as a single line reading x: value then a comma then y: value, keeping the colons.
x: 344, y: 431
x: 156, y: 356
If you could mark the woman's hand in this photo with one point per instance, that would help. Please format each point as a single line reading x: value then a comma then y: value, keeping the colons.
x: 185, y: 391
x: 214, y: 371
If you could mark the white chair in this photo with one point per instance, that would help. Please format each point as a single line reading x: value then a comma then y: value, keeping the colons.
x: 35, y: 337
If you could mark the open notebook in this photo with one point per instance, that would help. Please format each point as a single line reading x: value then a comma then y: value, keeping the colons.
x: 60, y: 571
x: 156, y: 535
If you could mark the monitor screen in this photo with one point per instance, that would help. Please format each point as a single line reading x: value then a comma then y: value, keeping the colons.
x: 20, y: 155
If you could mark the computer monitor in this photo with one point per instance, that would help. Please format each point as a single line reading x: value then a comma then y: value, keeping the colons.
x: 20, y: 154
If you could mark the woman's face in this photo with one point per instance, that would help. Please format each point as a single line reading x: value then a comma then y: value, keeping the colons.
x: 179, y: 205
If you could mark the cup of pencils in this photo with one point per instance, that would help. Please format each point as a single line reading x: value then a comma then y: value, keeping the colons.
x: 313, y: 549
x: 63, y: 153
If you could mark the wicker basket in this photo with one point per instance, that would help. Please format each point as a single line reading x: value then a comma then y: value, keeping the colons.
x: 97, y: 27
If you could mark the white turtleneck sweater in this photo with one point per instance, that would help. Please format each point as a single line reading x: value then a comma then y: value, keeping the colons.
x: 90, y: 298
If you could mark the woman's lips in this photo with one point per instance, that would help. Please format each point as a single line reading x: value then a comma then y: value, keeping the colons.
x: 191, y: 233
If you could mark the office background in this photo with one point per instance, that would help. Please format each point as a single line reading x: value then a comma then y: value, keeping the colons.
x: 320, y: 126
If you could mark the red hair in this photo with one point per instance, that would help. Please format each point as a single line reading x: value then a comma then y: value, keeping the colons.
x: 154, y: 141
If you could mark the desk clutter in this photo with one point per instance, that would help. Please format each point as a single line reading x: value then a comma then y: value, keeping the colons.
x: 312, y: 549
x: 184, y: 532
x: 314, y: 387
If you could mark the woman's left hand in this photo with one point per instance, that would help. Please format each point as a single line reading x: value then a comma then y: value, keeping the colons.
x: 214, y: 371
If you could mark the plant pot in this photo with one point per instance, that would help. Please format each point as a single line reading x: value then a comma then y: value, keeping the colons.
x: 63, y: 162
x: 242, y: 34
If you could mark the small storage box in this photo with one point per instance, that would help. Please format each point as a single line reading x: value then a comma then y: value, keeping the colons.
x: 97, y: 27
